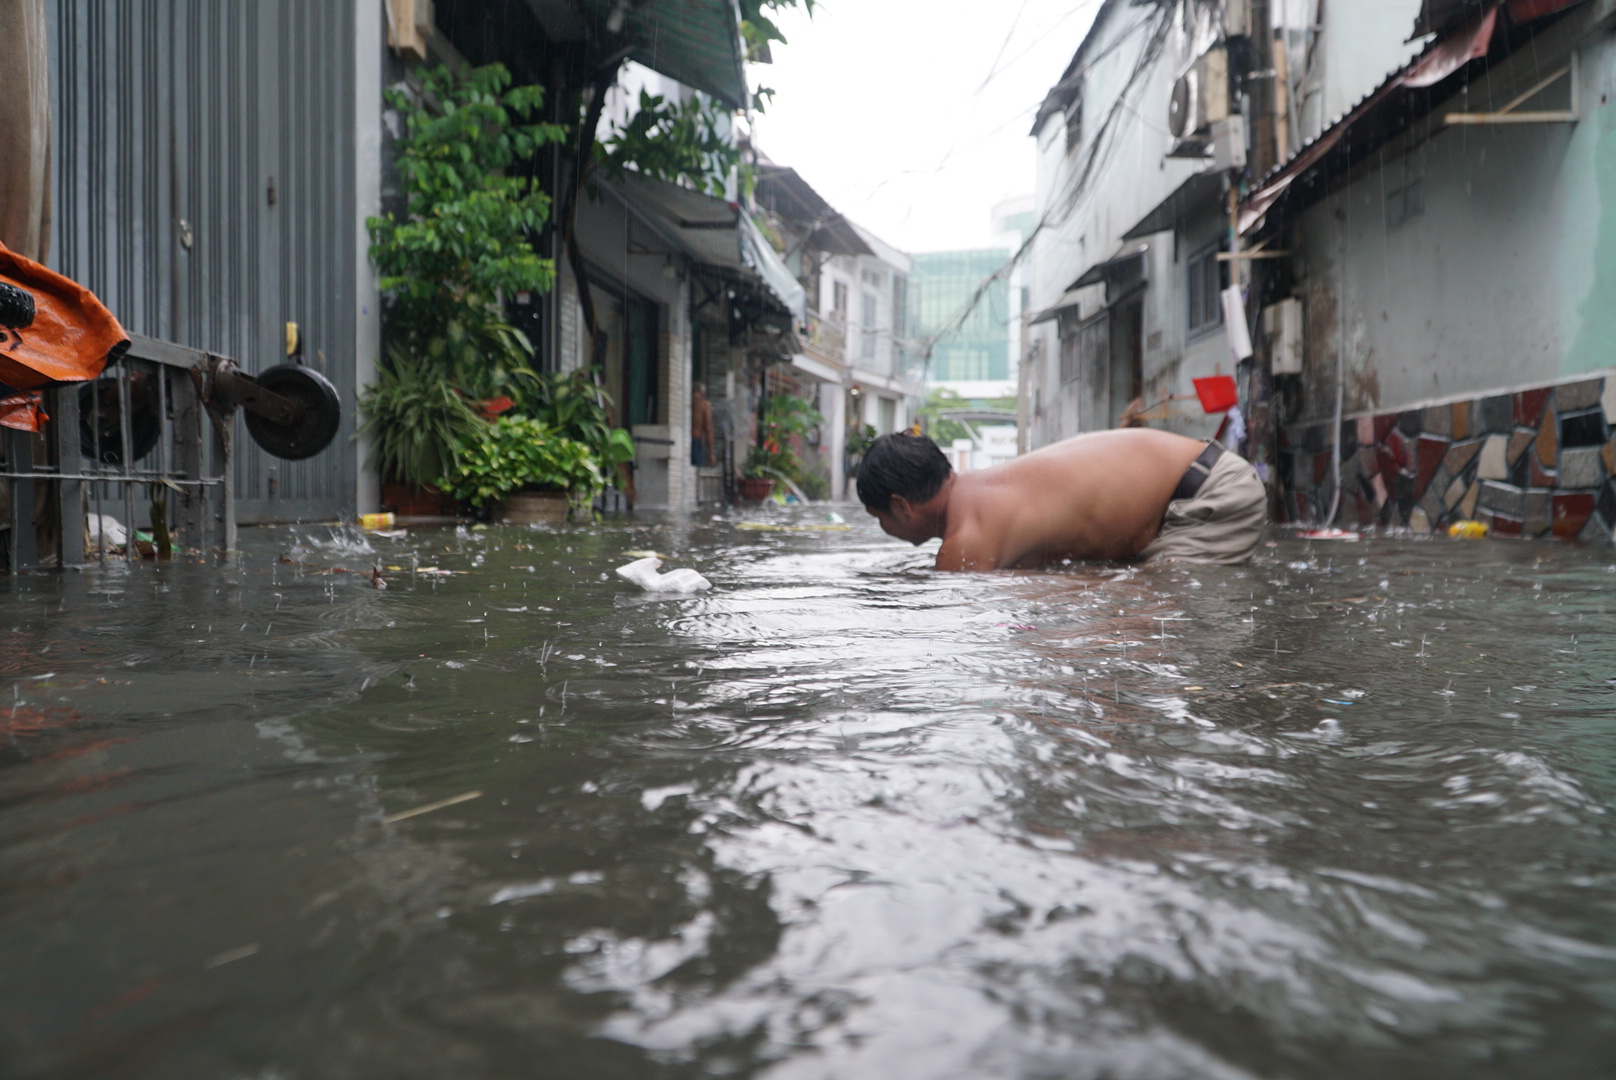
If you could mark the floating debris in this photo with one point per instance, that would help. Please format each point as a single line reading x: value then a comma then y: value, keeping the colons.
x: 643, y: 572
x: 417, y: 811
x: 230, y: 956
x: 764, y: 526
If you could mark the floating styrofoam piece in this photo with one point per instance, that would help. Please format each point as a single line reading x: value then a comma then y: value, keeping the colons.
x: 106, y: 530
x: 643, y: 572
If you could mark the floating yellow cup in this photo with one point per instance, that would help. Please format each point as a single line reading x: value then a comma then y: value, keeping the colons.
x: 1468, y: 530
x: 375, y: 521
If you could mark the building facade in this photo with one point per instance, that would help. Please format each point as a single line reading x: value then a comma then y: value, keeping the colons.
x: 1388, y: 226
x: 1131, y: 256
x: 215, y: 166
x: 856, y: 361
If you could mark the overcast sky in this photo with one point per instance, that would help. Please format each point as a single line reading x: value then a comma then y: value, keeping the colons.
x: 911, y: 116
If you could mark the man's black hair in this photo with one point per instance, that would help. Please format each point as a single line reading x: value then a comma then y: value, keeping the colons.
x: 901, y: 464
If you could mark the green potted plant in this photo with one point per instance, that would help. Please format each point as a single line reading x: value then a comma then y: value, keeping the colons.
x: 418, y: 422
x: 785, y: 419
x: 760, y: 470
x: 530, y: 467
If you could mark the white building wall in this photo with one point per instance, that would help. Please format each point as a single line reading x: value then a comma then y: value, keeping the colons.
x: 1358, y: 45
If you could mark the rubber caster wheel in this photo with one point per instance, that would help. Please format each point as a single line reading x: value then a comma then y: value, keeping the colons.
x: 16, y: 307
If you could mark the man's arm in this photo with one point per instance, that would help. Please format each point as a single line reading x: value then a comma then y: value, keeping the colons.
x: 965, y: 549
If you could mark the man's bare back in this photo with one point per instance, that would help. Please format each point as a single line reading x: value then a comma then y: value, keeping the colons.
x: 1097, y: 496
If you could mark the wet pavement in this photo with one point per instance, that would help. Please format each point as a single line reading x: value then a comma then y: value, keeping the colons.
x: 1344, y: 813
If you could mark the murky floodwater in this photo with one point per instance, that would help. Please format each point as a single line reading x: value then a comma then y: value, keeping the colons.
x: 1345, y: 813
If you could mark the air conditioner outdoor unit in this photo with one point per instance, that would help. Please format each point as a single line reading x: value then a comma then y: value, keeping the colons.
x: 1201, y: 95
x: 1282, y: 327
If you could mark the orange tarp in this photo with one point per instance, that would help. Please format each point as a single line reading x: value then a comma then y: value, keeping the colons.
x: 23, y: 412
x: 73, y: 336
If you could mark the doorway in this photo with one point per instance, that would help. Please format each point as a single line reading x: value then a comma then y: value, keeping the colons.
x: 1127, y: 354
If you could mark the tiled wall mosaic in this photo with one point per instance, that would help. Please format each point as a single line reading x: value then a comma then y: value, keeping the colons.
x: 1533, y: 463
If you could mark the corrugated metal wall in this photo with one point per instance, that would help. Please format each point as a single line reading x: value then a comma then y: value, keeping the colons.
x: 205, y: 191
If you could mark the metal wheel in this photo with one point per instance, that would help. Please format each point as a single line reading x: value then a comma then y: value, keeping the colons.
x: 316, y: 424
x: 100, y: 428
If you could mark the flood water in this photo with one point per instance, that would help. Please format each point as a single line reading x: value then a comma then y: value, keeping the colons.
x: 1343, y: 813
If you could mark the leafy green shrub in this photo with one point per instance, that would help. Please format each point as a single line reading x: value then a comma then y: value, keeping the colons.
x: 576, y: 407
x: 463, y: 241
x: 785, y: 417
x: 516, y: 453
x: 419, y: 420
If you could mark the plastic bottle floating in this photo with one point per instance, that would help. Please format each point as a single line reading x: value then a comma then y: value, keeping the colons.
x: 643, y: 572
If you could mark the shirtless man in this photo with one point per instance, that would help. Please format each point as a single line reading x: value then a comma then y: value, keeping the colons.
x: 1131, y: 494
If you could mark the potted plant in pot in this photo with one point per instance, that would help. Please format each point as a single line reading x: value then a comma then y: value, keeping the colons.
x: 418, y: 421
x: 759, y: 472
x: 530, y: 467
x: 785, y: 419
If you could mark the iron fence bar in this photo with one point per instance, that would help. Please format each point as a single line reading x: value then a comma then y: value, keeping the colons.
x: 165, y: 457
x: 126, y: 437
x: 96, y: 486
x: 113, y: 479
x: 69, y: 487
x: 24, y: 541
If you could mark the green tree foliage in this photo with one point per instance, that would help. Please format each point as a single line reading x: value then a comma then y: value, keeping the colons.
x: 760, y: 31
x: 464, y: 239
x: 687, y: 143
x: 943, y: 430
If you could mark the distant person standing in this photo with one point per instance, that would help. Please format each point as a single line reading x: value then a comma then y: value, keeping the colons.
x: 701, y: 427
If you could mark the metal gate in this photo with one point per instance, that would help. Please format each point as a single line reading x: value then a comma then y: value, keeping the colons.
x: 139, y: 442
x: 205, y: 191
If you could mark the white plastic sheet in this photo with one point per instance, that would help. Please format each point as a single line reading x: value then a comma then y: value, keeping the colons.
x: 643, y: 572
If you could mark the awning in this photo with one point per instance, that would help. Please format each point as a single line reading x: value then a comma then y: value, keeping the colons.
x: 761, y: 256
x: 1437, y: 15
x: 697, y: 42
x: 781, y: 191
x: 1129, y: 265
x: 714, y: 233
x: 1067, y: 302
x: 822, y: 372
x: 1193, y: 199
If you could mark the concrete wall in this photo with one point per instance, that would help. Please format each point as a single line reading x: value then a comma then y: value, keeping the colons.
x: 663, y: 475
x: 1130, y: 176
x: 1504, y: 281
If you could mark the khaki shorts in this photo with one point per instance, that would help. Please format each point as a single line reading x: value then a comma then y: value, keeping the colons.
x: 1223, y: 523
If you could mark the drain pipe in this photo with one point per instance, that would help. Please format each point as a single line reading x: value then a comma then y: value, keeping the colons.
x: 1335, y: 462
x: 1340, y: 387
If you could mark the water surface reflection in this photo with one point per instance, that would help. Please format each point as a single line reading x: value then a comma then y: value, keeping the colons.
x: 1340, y: 814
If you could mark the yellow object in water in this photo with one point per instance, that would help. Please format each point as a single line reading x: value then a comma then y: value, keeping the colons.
x: 1468, y: 530
x: 375, y: 521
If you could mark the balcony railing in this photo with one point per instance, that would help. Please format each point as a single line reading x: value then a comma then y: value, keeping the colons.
x: 828, y: 338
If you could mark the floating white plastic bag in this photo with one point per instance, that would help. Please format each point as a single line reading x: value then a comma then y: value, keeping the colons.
x: 643, y: 572
x: 106, y: 530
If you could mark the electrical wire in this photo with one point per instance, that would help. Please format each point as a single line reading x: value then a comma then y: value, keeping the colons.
x: 1070, y: 196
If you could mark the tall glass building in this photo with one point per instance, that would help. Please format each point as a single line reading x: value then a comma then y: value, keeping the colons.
x: 941, y: 285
